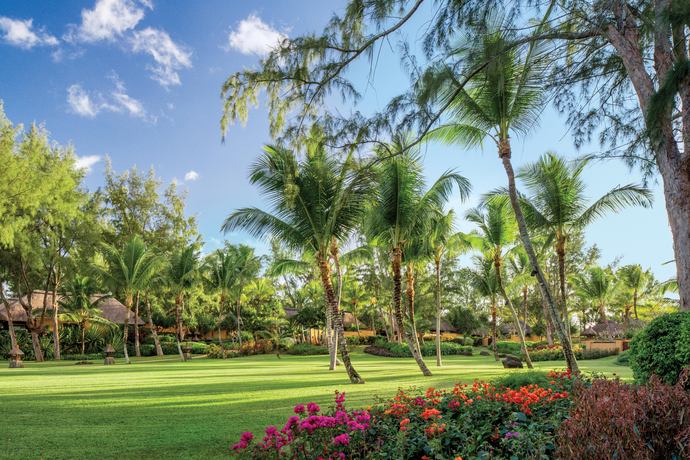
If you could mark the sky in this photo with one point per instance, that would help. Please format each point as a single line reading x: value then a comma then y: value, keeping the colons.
x: 139, y: 81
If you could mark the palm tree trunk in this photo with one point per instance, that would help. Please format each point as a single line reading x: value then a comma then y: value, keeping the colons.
x: 83, y: 339
x: 635, y: 303
x: 409, y: 272
x: 339, y: 295
x: 56, y: 322
x: 547, y: 321
x: 563, y: 335
x: 239, y: 321
x: 126, y: 331
x: 494, y: 327
x: 560, y: 253
x: 154, y: 333
x: 325, y: 270
x: 506, y: 299
x: 137, y: 346
x: 397, y: 309
x: 438, y: 311
x: 178, y: 324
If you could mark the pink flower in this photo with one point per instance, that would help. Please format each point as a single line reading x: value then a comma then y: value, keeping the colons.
x: 299, y: 409
x: 247, y: 436
x: 313, y: 408
x: 342, y: 440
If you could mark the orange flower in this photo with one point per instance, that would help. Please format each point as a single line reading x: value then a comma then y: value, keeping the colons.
x: 428, y: 413
x: 403, y: 424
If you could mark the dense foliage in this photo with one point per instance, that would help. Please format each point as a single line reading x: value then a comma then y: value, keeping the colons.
x: 398, y: 350
x: 662, y: 348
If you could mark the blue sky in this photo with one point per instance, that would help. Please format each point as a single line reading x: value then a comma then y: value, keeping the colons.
x: 139, y: 81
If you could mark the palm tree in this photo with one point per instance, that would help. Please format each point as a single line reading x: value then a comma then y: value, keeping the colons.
x: 595, y: 286
x: 182, y: 274
x: 221, y: 270
x: 485, y: 282
x: 316, y: 200
x: 504, y: 96
x: 498, y: 232
x: 128, y: 270
x: 400, y: 215
x: 557, y: 206
x: 80, y: 306
x: 247, y: 266
x: 442, y: 241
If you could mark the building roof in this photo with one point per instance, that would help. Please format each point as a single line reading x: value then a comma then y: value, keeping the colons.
x: 111, y: 308
x: 509, y: 328
x: 445, y: 327
x: 606, y: 328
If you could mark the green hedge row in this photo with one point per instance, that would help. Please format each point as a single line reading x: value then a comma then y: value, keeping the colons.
x: 397, y: 350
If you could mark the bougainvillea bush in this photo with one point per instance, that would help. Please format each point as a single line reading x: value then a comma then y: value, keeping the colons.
x: 468, y: 421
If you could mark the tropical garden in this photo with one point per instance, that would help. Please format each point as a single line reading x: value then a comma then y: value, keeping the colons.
x: 373, y: 326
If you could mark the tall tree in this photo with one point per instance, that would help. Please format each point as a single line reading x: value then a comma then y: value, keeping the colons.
x: 497, y: 228
x: 80, y: 305
x: 129, y: 271
x: 400, y: 214
x: 557, y: 205
x: 442, y: 241
x: 596, y: 287
x: 485, y: 282
x: 316, y: 200
x: 183, y: 272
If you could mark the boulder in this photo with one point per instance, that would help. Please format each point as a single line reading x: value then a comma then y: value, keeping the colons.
x: 484, y: 353
x: 512, y: 362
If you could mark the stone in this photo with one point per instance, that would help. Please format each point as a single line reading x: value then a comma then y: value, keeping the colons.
x: 484, y: 353
x: 512, y: 362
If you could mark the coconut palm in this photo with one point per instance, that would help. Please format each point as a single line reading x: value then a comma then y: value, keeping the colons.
x: 595, y: 286
x: 247, y: 266
x: 485, y: 282
x: 557, y: 205
x: 498, y: 231
x: 221, y: 271
x: 400, y: 215
x: 80, y: 305
x: 315, y: 200
x: 503, y: 97
x: 443, y: 241
x: 129, y: 271
x: 182, y: 274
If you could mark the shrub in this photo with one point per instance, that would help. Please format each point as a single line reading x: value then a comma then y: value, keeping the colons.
x: 397, y: 350
x: 614, y: 420
x: 79, y: 357
x: 555, y: 353
x: 662, y: 348
x: 364, y: 340
x: 519, y: 379
x: 468, y: 342
x: 468, y: 421
x: 215, y: 351
x: 509, y: 348
x: 304, y: 349
x: 623, y: 358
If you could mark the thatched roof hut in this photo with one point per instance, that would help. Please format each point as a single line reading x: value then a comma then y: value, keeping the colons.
x: 509, y: 328
x: 445, y: 327
x: 604, y: 329
x: 111, y: 308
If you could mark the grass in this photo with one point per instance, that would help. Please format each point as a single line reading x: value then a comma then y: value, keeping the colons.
x: 162, y: 408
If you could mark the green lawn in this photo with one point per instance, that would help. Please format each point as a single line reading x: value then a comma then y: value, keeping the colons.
x: 161, y: 408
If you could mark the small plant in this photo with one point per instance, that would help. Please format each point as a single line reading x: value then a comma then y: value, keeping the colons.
x: 304, y: 349
x: 612, y: 419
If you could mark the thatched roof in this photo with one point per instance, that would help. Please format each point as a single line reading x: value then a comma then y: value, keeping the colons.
x: 445, y: 327
x: 509, y: 328
x: 111, y: 308
x: 606, y: 328
x: 290, y: 312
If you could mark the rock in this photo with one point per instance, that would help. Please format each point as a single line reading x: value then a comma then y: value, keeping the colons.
x: 512, y: 362
x: 484, y: 353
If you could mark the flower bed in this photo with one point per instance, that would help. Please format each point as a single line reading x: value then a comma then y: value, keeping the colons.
x: 467, y: 421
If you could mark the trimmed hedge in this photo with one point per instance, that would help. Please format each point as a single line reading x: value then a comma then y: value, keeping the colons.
x: 662, y: 348
x: 556, y: 354
x: 364, y: 340
x: 306, y: 349
x: 397, y: 350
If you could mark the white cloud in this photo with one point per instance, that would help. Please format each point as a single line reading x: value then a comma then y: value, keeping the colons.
x: 80, y: 102
x: 170, y: 57
x: 87, y: 162
x: 191, y: 176
x: 253, y: 36
x: 21, y: 33
x: 89, y: 104
x: 109, y: 19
